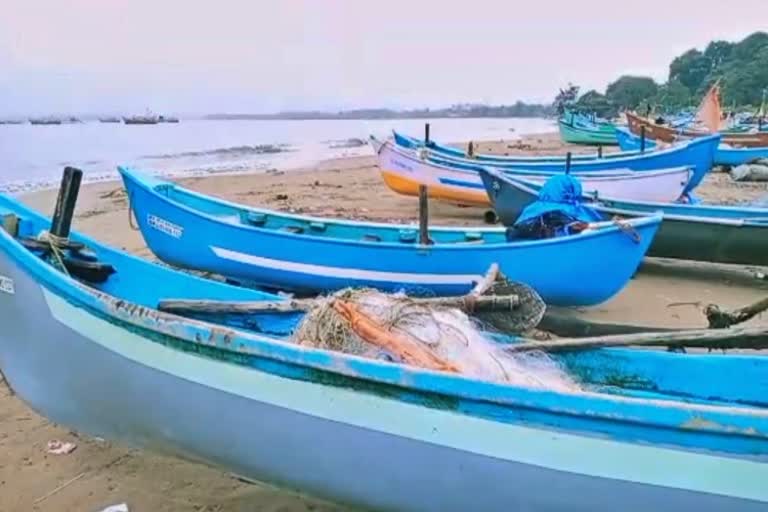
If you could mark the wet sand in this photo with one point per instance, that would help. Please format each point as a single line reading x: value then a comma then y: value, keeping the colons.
x: 107, y: 474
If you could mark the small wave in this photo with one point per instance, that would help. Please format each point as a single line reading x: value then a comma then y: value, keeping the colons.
x: 259, y: 149
x: 346, y: 143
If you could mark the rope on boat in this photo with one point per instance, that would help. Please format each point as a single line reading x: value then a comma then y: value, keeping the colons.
x: 55, y: 243
x: 628, y: 229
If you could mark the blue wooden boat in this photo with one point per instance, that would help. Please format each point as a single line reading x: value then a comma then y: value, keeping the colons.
x: 309, y: 255
x: 725, y: 155
x: 404, y: 171
x: 720, y: 234
x: 652, y: 430
x: 698, y: 154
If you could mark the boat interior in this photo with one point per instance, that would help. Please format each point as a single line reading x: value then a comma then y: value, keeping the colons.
x: 647, y: 374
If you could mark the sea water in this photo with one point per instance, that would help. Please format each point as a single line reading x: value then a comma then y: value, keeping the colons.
x: 33, y: 156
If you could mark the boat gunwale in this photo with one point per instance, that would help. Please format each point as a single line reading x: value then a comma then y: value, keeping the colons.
x: 674, y: 148
x: 445, y: 164
x: 138, y: 179
x: 597, y: 203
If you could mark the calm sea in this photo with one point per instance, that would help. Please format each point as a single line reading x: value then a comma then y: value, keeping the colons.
x: 34, y: 156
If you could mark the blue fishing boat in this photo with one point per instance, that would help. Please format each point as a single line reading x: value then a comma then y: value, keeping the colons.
x: 647, y: 430
x: 720, y: 234
x: 404, y: 171
x: 310, y: 255
x: 698, y: 154
x: 724, y: 155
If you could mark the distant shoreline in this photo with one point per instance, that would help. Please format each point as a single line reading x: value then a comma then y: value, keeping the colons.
x: 519, y: 110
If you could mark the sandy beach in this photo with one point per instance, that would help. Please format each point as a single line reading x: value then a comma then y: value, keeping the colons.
x: 99, y: 473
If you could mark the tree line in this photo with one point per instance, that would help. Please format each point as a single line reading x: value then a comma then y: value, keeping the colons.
x: 740, y: 67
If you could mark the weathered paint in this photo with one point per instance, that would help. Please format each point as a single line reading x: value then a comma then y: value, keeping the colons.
x: 243, y: 401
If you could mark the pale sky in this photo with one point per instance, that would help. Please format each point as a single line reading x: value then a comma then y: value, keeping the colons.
x: 197, y: 56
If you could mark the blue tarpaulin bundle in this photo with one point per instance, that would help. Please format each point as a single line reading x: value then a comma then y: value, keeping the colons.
x: 560, y: 197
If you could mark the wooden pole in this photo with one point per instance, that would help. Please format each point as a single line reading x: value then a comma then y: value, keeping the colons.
x: 734, y: 337
x: 568, y: 163
x: 426, y: 133
x: 471, y: 303
x: 642, y: 139
x: 423, y: 214
x: 65, y: 202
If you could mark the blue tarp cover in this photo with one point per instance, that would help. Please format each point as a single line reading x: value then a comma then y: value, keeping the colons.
x: 560, y: 193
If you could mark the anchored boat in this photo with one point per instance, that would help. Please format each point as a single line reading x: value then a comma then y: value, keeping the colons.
x: 719, y: 234
x: 404, y: 171
x: 698, y: 154
x: 724, y: 155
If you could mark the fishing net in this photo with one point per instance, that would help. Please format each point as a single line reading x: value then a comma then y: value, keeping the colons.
x: 439, y: 337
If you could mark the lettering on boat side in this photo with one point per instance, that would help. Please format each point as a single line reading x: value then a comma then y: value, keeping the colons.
x: 6, y: 285
x: 401, y: 165
x: 162, y: 225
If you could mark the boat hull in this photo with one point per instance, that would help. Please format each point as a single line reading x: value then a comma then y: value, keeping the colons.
x: 636, y: 125
x: 578, y: 135
x: 352, y: 446
x: 698, y: 154
x: 698, y: 238
x: 276, y: 259
x: 723, y: 156
x: 403, y: 172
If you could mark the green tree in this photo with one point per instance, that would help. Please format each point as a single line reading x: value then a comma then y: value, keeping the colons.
x: 717, y: 53
x: 744, y: 84
x: 566, y: 97
x: 673, y: 96
x: 741, y: 68
x: 594, y: 102
x: 628, y: 92
x: 690, y: 69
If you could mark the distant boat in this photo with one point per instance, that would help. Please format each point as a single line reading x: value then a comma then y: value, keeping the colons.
x: 146, y: 119
x: 11, y: 121
x: 580, y: 129
x: 47, y: 120
x: 109, y: 120
x: 168, y: 119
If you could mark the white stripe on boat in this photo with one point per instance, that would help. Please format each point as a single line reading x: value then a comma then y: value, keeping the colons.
x: 592, y: 456
x: 345, y: 272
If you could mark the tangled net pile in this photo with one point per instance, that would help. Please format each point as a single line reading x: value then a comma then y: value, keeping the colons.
x: 448, y: 333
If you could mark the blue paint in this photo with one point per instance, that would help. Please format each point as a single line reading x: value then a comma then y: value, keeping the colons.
x: 651, y: 366
x: 203, y: 221
x: 699, y: 154
x: 251, y: 438
x: 724, y: 155
x: 724, y: 234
